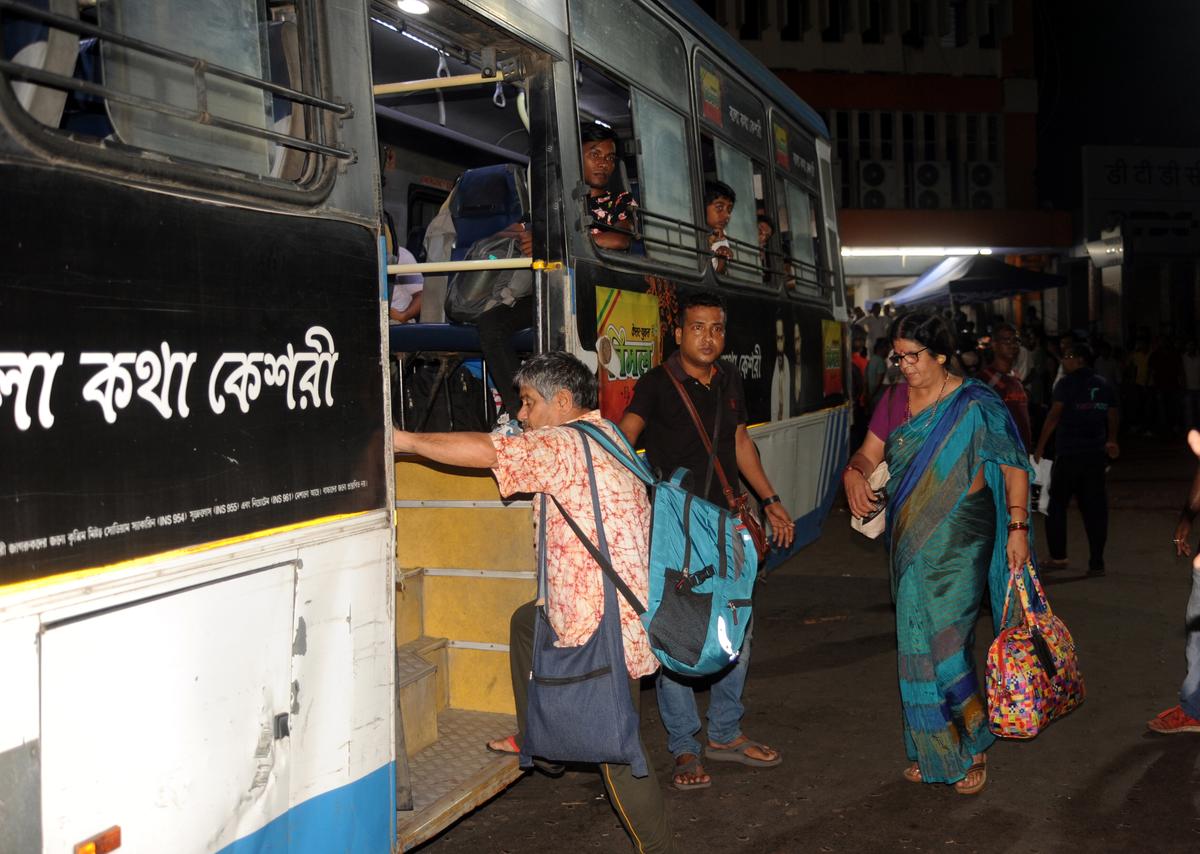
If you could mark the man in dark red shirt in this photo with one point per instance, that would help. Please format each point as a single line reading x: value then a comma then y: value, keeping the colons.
x: 999, y: 375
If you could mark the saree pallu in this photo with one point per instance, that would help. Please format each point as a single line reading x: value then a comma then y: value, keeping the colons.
x: 945, y: 553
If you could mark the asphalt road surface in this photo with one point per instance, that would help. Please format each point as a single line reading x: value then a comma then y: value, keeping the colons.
x: 822, y: 688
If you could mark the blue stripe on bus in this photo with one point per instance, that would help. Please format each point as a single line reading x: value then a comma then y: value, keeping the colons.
x: 834, y: 448
x: 358, y: 818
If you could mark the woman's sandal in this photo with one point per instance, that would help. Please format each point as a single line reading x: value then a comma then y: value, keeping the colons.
x: 963, y: 788
x: 913, y: 774
x: 691, y: 768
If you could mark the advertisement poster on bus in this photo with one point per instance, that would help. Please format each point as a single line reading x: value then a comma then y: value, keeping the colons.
x: 173, y: 401
x: 626, y: 345
x: 831, y: 337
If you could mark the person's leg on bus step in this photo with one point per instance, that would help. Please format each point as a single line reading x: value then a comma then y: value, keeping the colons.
x: 638, y: 801
x: 520, y: 659
x: 496, y: 329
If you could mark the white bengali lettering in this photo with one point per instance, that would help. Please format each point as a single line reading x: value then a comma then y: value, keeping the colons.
x: 16, y: 376
x: 249, y: 372
x: 157, y: 372
x: 111, y: 388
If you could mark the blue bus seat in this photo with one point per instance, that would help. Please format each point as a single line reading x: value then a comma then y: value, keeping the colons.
x: 447, y: 338
x: 485, y: 201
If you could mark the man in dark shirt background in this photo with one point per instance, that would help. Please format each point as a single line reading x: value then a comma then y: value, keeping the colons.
x: 658, y: 416
x: 1086, y: 416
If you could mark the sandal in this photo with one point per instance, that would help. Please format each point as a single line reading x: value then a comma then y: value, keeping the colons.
x: 736, y: 752
x: 506, y: 746
x: 1051, y: 563
x: 690, y: 768
x: 913, y: 774
x: 963, y: 788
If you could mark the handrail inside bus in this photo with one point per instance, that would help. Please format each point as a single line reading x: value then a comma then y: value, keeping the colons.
x: 481, y: 264
x: 431, y: 83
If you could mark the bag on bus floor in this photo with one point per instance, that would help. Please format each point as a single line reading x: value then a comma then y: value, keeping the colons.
x: 702, y: 571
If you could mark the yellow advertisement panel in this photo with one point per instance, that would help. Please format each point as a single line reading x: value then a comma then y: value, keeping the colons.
x: 626, y: 345
x: 831, y: 356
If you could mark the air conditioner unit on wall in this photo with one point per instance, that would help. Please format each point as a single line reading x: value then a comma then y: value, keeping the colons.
x: 932, y: 185
x: 879, y: 185
x: 985, y: 185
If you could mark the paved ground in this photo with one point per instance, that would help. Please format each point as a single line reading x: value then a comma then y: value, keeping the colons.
x: 822, y: 688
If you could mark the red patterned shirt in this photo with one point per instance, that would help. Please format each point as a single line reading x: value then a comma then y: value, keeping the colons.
x: 551, y: 460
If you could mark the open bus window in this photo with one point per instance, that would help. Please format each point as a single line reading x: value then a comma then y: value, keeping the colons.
x: 798, y: 226
x: 731, y: 167
x: 226, y: 89
x: 608, y: 164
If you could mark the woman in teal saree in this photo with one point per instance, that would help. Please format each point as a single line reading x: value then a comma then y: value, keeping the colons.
x: 957, y: 525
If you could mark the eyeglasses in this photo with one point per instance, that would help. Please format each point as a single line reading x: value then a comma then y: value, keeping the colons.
x: 907, y: 358
x: 596, y: 157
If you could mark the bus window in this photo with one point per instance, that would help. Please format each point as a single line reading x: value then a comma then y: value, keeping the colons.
x: 733, y: 168
x: 667, y: 204
x: 798, y: 226
x: 224, y: 89
x: 607, y: 139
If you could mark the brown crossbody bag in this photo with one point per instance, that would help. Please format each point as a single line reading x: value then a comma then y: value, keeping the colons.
x: 739, y: 505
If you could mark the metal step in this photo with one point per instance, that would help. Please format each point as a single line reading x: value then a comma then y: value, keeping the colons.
x: 455, y: 774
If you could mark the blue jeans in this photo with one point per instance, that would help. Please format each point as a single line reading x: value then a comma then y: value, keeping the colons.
x: 1189, y: 693
x: 677, y: 704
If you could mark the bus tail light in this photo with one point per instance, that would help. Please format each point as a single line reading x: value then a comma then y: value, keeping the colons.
x: 101, y: 843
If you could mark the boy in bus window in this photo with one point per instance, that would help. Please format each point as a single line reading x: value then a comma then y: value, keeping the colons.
x: 719, y: 199
x: 613, y: 212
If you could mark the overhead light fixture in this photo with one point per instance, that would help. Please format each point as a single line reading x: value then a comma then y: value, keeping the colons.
x: 602, y: 124
x: 387, y: 24
x: 913, y: 251
x: 413, y: 7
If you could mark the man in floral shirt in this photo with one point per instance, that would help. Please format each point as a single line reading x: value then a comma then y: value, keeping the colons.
x: 547, y: 458
x: 613, y: 212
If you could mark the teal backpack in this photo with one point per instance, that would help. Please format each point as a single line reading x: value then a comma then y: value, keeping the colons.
x: 702, y: 570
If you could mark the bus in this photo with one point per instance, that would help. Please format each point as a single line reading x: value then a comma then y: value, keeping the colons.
x: 230, y: 620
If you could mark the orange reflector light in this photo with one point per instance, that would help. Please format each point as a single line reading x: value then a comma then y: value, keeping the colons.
x: 101, y: 843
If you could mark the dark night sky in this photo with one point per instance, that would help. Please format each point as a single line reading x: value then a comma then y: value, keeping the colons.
x: 1113, y: 73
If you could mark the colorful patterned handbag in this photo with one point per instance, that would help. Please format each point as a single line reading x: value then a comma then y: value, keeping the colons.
x: 1032, y: 674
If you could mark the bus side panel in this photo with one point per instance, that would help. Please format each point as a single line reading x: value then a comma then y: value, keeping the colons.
x: 179, y: 372
x: 249, y: 714
x: 20, y: 783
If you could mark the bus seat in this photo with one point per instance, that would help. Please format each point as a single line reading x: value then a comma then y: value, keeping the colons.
x: 485, y: 201
x: 447, y: 338
x: 36, y: 45
x: 283, y: 50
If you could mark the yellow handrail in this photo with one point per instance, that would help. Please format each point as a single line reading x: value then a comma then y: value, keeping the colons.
x: 482, y: 264
x: 430, y: 83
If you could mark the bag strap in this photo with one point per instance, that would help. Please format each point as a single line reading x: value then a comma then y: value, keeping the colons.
x: 1016, y: 580
x: 628, y: 457
x: 730, y: 499
x: 599, y: 555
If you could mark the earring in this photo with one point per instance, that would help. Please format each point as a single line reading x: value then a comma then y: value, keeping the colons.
x: 941, y: 360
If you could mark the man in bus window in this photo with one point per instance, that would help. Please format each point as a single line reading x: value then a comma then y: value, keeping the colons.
x: 613, y: 212
x: 659, y: 417
x: 548, y: 458
x: 719, y: 199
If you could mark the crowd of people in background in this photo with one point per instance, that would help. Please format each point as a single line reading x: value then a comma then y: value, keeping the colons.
x: 1156, y: 380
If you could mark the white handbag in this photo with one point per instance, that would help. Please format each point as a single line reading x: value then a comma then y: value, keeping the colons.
x: 873, y: 523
